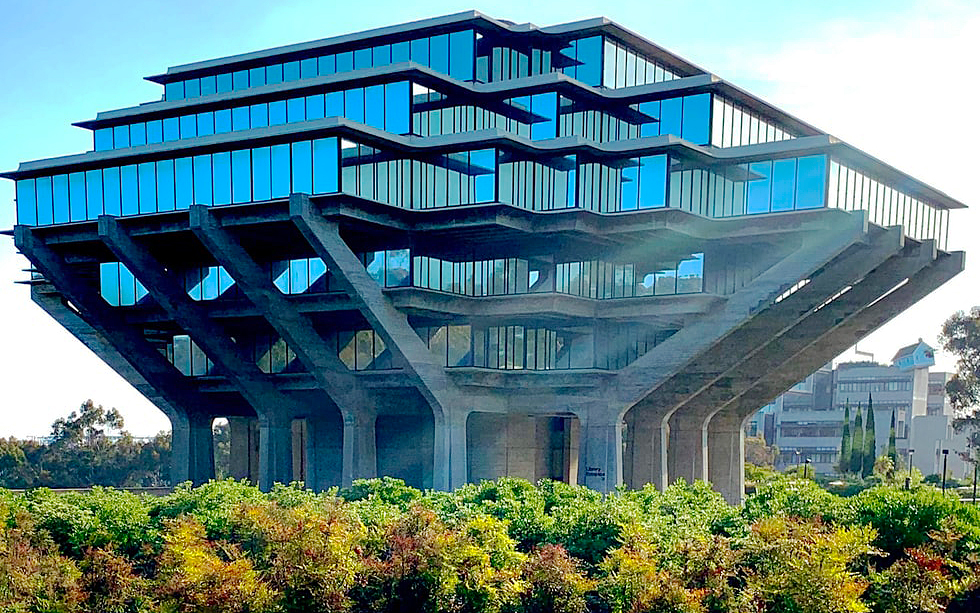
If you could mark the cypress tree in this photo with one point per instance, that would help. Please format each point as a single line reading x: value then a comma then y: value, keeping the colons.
x: 844, y: 459
x: 857, y: 443
x: 870, y: 448
x: 892, y: 448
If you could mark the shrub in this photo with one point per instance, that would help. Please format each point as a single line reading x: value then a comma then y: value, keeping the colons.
x: 111, y: 585
x: 793, y: 498
x: 553, y: 583
x: 212, y: 504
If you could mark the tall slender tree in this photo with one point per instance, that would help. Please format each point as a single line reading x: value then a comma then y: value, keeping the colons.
x: 844, y: 459
x: 857, y: 443
x: 892, y: 447
x: 870, y: 447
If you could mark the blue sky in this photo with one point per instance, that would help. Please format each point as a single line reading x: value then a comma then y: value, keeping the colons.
x: 893, y: 78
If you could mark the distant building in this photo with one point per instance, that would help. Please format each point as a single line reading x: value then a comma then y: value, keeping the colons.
x: 807, y: 420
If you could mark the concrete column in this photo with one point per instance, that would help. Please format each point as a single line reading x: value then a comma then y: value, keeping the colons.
x: 687, y: 456
x: 360, y: 459
x: 324, y: 452
x: 300, y: 458
x: 601, y: 451
x: 457, y: 449
x: 244, y: 461
x: 726, y: 456
x: 649, y: 451
x: 192, y: 449
x: 275, y: 451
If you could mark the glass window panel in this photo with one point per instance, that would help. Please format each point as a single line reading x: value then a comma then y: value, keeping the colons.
x: 462, y: 54
x: 239, y: 79
x: 273, y: 74
x: 222, y: 121
x: 127, y: 286
x: 314, y: 107
x: 171, y: 129
x: 697, y: 113
x: 137, y: 134
x: 120, y: 137
x: 76, y: 196
x: 759, y: 187
x: 295, y: 110
x: 166, y: 196
x: 259, y: 115
x: 93, y: 194
x: 184, y: 171
x: 130, y: 190
x: 420, y: 51
x: 103, y: 139
x: 334, y: 104
x: 221, y: 164
x: 302, y: 167
x: 205, y: 124
x: 27, y: 202
x: 374, y: 106
x: 381, y: 55
x: 783, y: 182
x: 629, y: 182
x: 354, y: 104
x: 174, y: 90
x: 224, y: 83
x: 147, y: 187
x: 362, y: 58
x: 241, y: 175
x: 345, y: 61
x: 277, y: 113
x: 261, y: 174
x: 240, y: 118
x: 110, y: 191
x: 109, y: 282
x: 325, y: 166
x: 208, y: 85
x: 291, y: 71
x: 307, y: 68
x: 589, y: 54
x: 326, y: 65
x: 192, y: 88
x: 188, y: 126
x: 400, y: 52
x: 154, y: 132
x: 202, y: 179
x: 810, y: 181
x: 45, y: 200
x: 653, y: 181
x: 609, y: 65
x: 670, y: 116
x: 280, y: 171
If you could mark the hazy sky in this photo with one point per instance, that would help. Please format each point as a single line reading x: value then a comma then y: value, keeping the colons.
x: 894, y: 78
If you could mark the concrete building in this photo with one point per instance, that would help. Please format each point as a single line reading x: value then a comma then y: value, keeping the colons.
x: 461, y: 248
x: 809, y: 421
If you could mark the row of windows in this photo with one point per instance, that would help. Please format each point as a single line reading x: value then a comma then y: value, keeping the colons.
x: 852, y: 190
x: 451, y: 54
x: 228, y: 177
x: 768, y: 186
x: 733, y: 125
x: 794, y: 430
x: 896, y: 385
x: 604, y: 280
x: 385, y: 107
x: 496, y: 277
x: 623, y: 67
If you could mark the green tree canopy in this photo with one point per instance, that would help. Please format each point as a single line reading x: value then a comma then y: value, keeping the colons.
x: 961, y: 337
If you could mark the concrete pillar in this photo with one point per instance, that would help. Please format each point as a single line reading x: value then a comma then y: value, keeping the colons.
x: 648, y: 455
x: 299, y: 437
x: 687, y: 456
x: 726, y: 456
x: 324, y: 452
x: 192, y: 449
x: 360, y: 457
x: 457, y: 449
x: 244, y: 434
x: 601, y: 451
x: 275, y: 451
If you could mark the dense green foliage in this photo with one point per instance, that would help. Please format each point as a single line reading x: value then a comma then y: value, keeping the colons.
x: 506, y: 546
x: 89, y: 447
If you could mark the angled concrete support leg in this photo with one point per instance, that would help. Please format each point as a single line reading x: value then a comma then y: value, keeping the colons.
x: 457, y: 449
x: 601, y: 451
x: 192, y: 448
x: 360, y: 460
x: 275, y: 451
x: 726, y: 455
x: 687, y: 456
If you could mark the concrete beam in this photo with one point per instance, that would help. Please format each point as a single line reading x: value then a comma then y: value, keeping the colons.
x: 274, y: 408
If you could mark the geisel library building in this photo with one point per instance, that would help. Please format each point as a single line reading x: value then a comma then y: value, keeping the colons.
x: 462, y: 248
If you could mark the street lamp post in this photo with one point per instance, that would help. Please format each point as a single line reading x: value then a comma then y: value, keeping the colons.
x: 908, y: 480
x: 945, y: 455
x: 806, y: 465
x: 975, y: 464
